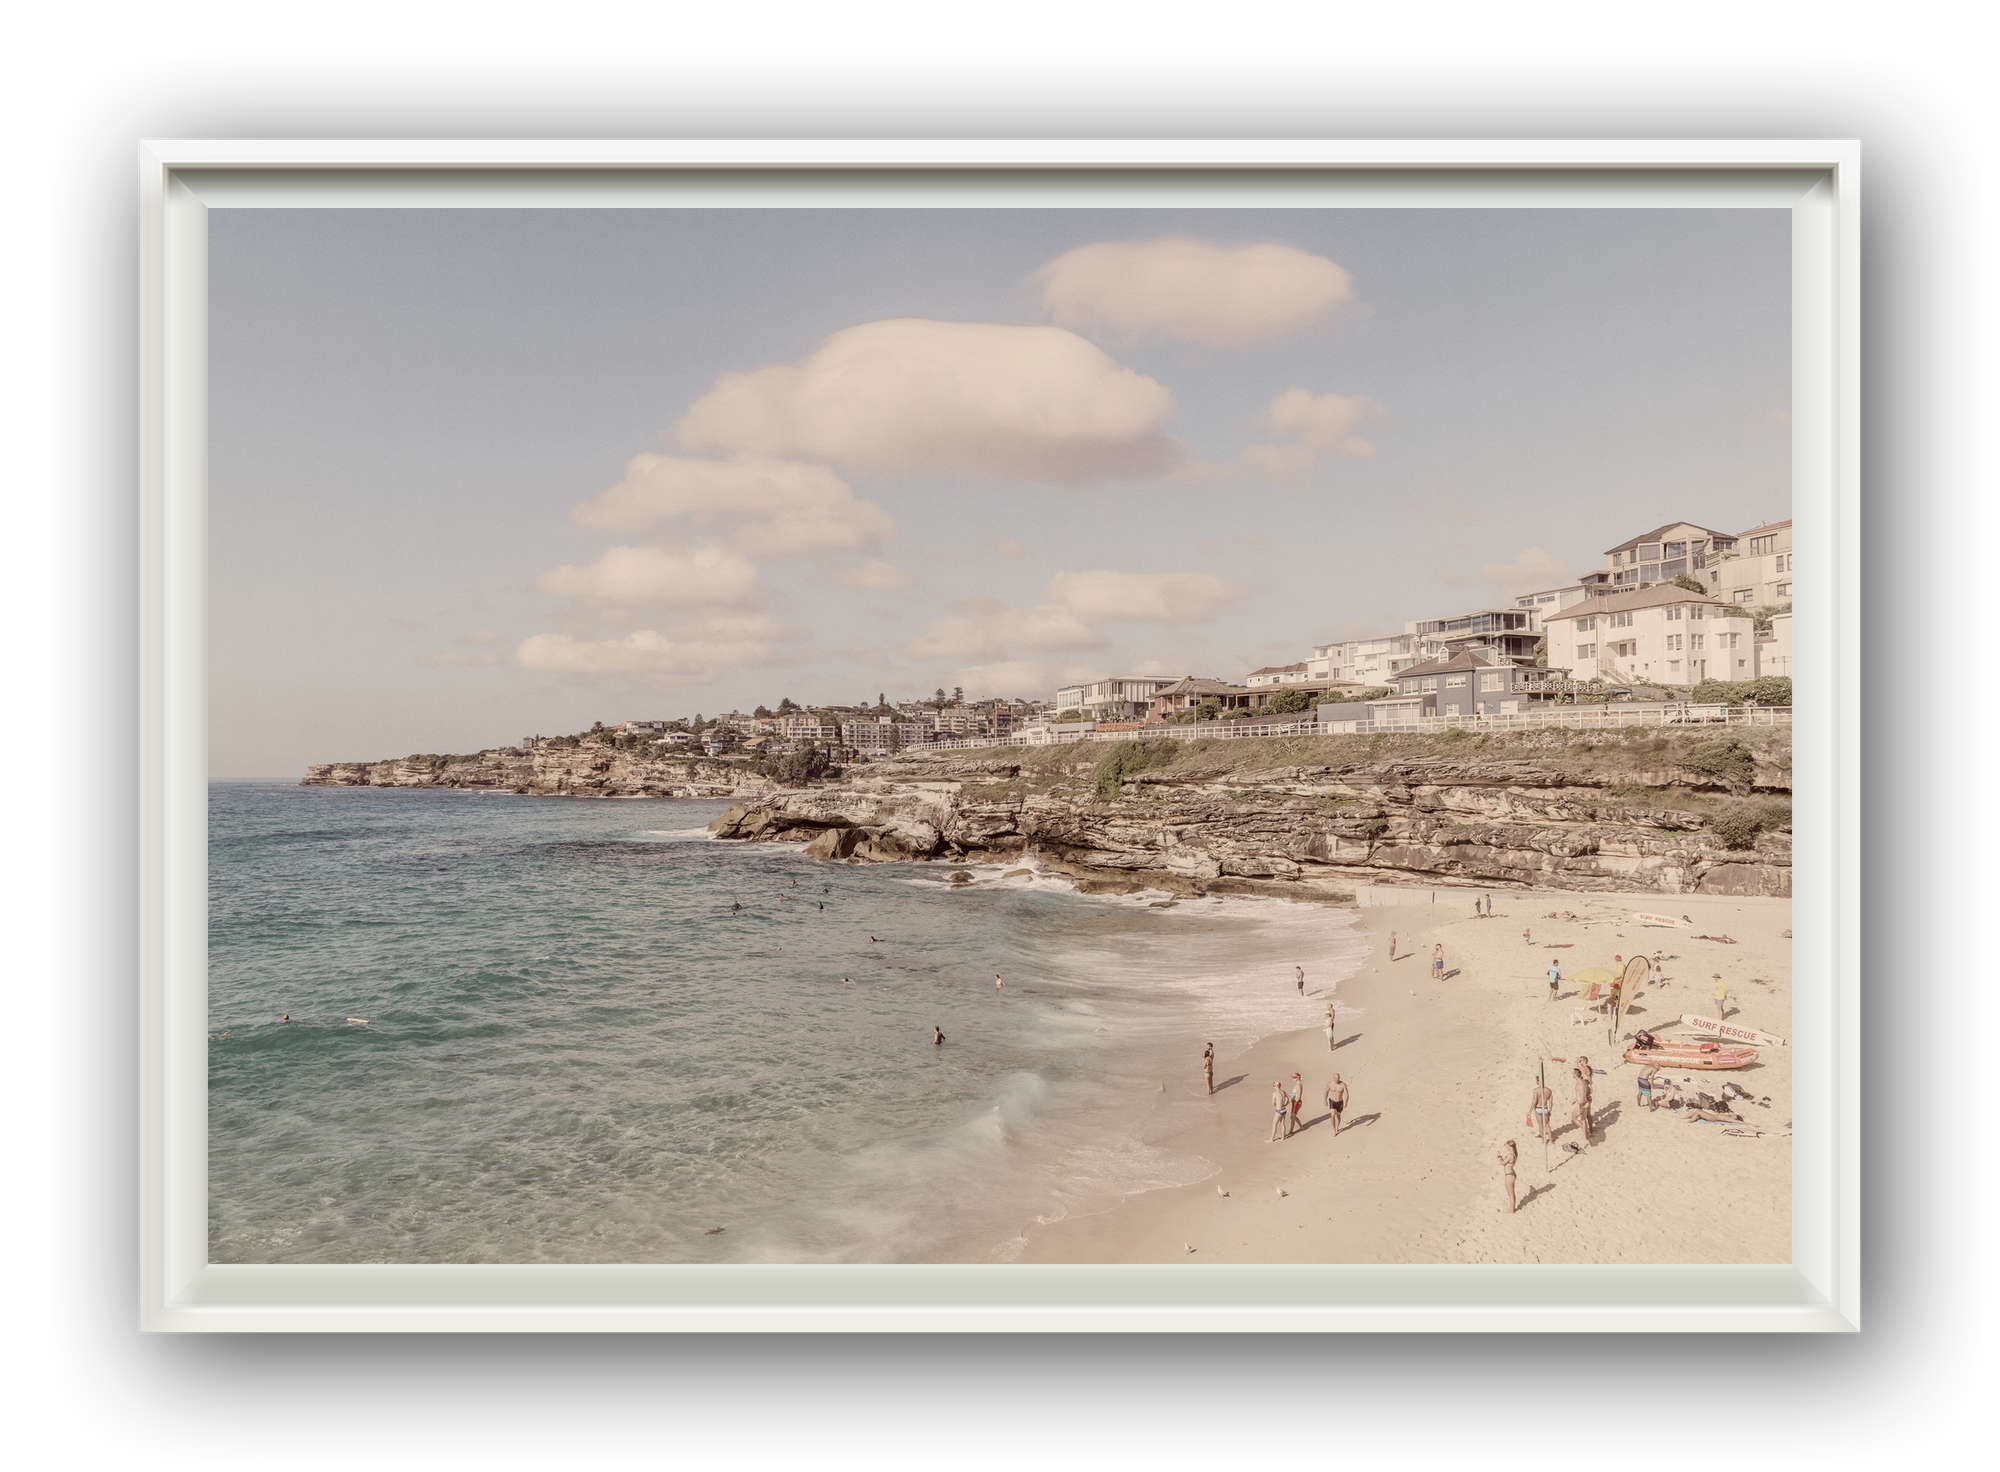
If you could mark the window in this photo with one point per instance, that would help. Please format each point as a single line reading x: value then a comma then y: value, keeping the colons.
x: 1745, y: 595
x: 1695, y: 611
x: 1759, y: 546
x: 1785, y: 591
x: 1586, y: 623
x: 1621, y: 620
x: 1586, y: 651
x: 1694, y: 641
x: 1674, y: 666
x: 1784, y: 563
x: 1495, y: 681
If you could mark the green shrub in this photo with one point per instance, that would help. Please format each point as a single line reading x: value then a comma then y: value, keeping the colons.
x: 1728, y: 761
x: 1128, y: 759
x: 1739, y: 824
x: 1290, y: 702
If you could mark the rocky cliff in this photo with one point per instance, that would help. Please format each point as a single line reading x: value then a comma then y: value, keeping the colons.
x: 588, y: 770
x: 1555, y: 810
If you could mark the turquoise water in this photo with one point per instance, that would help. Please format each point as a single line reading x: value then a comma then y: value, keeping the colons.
x: 577, y: 1052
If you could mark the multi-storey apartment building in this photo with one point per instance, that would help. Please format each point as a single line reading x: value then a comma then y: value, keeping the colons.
x: 1499, y: 635
x: 1663, y: 635
x: 1545, y: 601
x: 1665, y: 553
x: 871, y: 735
x: 1370, y: 661
x: 1113, y: 698
x: 1759, y: 572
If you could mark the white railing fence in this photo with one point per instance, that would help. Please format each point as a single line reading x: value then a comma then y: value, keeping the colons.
x: 1573, y: 717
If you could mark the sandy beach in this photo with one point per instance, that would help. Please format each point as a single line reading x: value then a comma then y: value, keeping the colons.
x: 1440, y: 1075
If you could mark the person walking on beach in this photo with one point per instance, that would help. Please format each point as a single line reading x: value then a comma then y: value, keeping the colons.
x: 1208, y: 1067
x: 1280, y: 1106
x: 1329, y: 1027
x: 1301, y: 971
x: 1437, y: 962
x: 1526, y: 939
x: 1298, y: 1099
x: 1392, y: 945
x: 1721, y: 998
x: 1509, y: 1153
x: 1336, y: 1100
x: 1541, y: 1109
x: 1555, y: 977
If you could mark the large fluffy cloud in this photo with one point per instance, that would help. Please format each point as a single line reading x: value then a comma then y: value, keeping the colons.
x: 1312, y: 424
x: 1167, y: 597
x: 690, y: 653
x: 676, y: 576
x: 916, y: 395
x: 1192, y: 290
x: 778, y: 507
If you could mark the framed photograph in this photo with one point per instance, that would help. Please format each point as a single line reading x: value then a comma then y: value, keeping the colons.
x: 999, y: 736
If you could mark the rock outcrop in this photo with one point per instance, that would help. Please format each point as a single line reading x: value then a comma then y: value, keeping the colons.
x: 588, y: 770
x: 1641, y: 824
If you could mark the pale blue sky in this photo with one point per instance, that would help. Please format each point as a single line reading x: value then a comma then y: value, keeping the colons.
x: 407, y: 406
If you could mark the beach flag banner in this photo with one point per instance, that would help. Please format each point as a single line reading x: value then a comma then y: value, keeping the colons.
x: 1637, y: 970
x: 1716, y: 1028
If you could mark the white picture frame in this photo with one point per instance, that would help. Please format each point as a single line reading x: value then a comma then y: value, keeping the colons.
x: 180, y: 1290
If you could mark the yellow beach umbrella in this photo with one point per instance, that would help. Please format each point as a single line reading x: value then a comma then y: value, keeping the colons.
x: 1594, y: 973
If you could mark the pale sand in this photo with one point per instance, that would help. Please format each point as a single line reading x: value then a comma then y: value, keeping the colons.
x: 1439, y: 1076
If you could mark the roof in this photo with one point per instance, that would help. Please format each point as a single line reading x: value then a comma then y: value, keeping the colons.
x: 1279, y: 669
x: 1769, y: 526
x: 1465, y: 661
x: 1657, y: 596
x: 1660, y: 531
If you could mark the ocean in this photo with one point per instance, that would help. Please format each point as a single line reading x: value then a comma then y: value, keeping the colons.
x: 576, y: 1050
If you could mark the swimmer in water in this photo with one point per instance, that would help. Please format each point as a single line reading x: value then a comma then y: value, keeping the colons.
x: 874, y: 940
x: 734, y: 906
x: 286, y: 1018
x: 822, y: 904
x: 937, y: 1036
x: 998, y: 984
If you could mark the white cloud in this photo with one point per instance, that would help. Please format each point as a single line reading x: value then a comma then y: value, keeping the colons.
x: 690, y: 653
x: 1007, y: 547
x: 703, y: 574
x: 986, y: 629
x: 877, y: 576
x: 1006, y: 679
x: 1167, y: 597
x: 1192, y: 290
x: 916, y: 395
x: 1528, y: 571
x: 1311, y: 425
x: 779, y: 507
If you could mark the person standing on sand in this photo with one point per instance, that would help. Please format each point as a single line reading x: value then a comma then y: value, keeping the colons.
x: 1298, y: 1095
x: 1280, y: 1106
x: 1437, y: 962
x: 1509, y: 1153
x: 1541, y: 1109
x: 1392, y: 945
x: 1527, y: 939
x: 1721, y: 998
x: 1336, y: 1100
x: 1302, y: 979
x: 1208, y: 1067
x: 1584, y: 1119
x: 1329, y: 1027
x: 1555, y: 977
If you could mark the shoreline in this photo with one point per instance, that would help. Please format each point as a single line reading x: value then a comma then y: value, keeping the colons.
x: 1440, y: 1074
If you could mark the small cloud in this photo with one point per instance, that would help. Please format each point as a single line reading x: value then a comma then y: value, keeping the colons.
x: 689, y: 654
x: 1179, y: 289
x: 986, y: 629
x: 1165, y: 597
x: 1007, y: 547
x: 675, y: 576
x: 775, y: 508
x: 1527, y: 571
x: 876, y: 576
x: 1312, y: 424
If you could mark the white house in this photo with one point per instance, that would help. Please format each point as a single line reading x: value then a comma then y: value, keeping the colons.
x: 1759, y: 572
x: 1113, y: 698
x: 1278, y: 674
x: 1774, y: 654
x: 1663, y: 635
x: 1545, y: 601
x: 1680, y: 548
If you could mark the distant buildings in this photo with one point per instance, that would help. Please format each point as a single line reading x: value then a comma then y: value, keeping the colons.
x: 1370, y: 661
x: 1502, y: 635
x: 1278, y: 674
x: 1759, y: 572
x: 1189, y: 693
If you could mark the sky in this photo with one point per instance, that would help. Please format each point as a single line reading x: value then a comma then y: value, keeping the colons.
x: 477, y: 475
